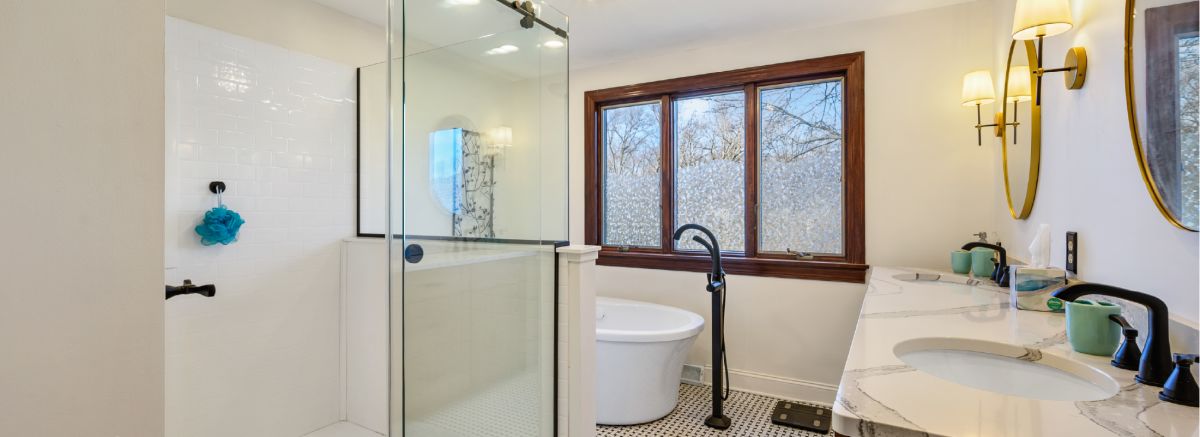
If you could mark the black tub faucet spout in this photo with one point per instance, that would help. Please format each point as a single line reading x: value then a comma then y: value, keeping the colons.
x: 715, y: 287
x: 714, y: 249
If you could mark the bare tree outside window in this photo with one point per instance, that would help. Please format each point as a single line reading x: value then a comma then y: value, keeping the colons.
x: 800, y: 171
x: 710, y: 169
x: 632, y: 175
x: 769, y: 158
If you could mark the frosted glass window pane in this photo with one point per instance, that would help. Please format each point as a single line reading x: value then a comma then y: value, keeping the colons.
x: 800, y: 168
x: 632, y: 178
x: 710, y: 153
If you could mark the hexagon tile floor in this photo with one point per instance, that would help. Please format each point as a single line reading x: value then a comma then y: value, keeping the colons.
x: 751, y: 414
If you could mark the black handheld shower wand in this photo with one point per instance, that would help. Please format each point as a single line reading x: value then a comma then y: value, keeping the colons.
x: 716, y: 286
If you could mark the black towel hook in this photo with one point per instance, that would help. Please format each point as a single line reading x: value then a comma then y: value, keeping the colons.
x: 217, y: 187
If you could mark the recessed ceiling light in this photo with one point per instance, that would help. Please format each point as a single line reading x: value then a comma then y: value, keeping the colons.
x: 453, y: 3
x: 553, y: 44
x: 502, y: 50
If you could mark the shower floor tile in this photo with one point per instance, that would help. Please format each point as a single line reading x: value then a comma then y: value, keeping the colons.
x: 751, y: 414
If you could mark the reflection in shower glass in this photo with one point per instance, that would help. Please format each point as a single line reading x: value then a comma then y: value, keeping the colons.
x: 445, y: 167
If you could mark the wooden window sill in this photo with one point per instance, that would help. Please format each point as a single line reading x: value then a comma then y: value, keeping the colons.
x: 836, y: 271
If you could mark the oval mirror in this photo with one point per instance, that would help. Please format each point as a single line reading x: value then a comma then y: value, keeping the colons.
x: 1161, y: 77
x: 1022, y: 136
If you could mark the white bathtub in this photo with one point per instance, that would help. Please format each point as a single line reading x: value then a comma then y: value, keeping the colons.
x: 640, y: 348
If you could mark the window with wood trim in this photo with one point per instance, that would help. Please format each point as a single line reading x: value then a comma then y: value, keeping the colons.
x: 769, y: 158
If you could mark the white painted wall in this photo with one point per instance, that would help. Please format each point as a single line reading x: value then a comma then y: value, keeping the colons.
x: 301, y: 25
x: 81, y: 127
x: 262, y: 357
x: 928, y: 186
x: 1090, y: 182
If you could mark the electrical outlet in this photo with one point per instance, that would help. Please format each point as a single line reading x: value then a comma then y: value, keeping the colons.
x: 1072, y: 252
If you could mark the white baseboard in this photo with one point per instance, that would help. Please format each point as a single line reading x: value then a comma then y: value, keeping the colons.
x: 769, y: 385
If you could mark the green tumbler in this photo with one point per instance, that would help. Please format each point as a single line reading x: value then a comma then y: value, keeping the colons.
x: 982, y: 265
x: 1089, y: 330
x: 960, y: 261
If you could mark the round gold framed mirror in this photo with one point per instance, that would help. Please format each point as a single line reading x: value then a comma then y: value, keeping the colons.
x: 1022, y: 130
x: 1161, y: 75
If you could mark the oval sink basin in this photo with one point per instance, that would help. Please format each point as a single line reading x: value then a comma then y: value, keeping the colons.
x: 1007, y: 369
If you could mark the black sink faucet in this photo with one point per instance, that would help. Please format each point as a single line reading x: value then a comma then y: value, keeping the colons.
x: 1155, y: 365
x: 1000, y: 275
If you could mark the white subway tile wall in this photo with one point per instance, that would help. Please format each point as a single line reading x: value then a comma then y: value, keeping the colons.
x: 278, y: 127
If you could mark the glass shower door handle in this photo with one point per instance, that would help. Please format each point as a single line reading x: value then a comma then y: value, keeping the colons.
x: 413, y: 253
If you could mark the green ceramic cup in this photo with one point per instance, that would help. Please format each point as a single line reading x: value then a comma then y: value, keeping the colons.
x: 960, y: 261
x: 982, y: 265
x: 1089, y: 330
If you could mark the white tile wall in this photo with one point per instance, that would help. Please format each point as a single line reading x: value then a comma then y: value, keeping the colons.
x: 262, y: 357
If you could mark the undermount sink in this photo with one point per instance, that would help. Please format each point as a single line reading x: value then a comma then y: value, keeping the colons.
x: 1006, y: 369
x: 935, y: 277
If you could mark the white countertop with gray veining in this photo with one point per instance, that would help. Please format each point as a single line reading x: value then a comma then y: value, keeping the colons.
x: 880, y: 395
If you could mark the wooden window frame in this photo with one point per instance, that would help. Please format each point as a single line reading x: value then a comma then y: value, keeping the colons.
x: 849, y: 267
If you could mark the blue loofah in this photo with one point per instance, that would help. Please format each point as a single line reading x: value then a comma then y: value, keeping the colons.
x: 220, y: 225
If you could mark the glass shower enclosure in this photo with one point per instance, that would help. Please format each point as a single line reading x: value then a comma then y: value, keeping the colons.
x: 476, y: 205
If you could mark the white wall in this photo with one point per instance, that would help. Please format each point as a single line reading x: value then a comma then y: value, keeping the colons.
x: 81, y: 126
x: 262, y: 357
x: 1090, y: 182
x: 301, y: 25
x: 928, y: 186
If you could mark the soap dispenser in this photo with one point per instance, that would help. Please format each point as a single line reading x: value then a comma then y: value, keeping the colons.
x: 1180, y: 387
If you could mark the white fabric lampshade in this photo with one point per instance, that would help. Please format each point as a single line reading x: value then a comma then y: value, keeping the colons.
x: 1038, y: 18
x: 1019, y: 87
x: 978, y: 88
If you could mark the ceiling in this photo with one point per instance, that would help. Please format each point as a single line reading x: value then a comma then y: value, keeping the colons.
x: 606, y: 30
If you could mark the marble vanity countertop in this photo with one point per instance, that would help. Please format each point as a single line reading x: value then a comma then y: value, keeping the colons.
x: 880, y: 395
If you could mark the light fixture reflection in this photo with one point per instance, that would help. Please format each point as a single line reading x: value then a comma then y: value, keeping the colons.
x: 454, y: 3
x: 553, y: 44
x: 1019, y: 86
x: 503, y: 50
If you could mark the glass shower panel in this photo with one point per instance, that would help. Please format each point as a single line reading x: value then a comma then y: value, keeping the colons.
x: 479, y: 205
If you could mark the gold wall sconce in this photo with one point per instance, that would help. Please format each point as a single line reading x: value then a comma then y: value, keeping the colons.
x: 1038, y: 19
x: 1019, y: 91
x: 978, y: 90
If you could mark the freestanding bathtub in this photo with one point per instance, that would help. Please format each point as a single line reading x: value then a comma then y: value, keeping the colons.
x: 640, y: 348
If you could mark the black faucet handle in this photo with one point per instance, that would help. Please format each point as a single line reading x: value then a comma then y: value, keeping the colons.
x: 1128, y: 356
x: 1126, y: 328
x: 1181, y: 387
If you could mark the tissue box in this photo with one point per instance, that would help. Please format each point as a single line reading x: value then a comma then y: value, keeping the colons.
x: 1030, y: 288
